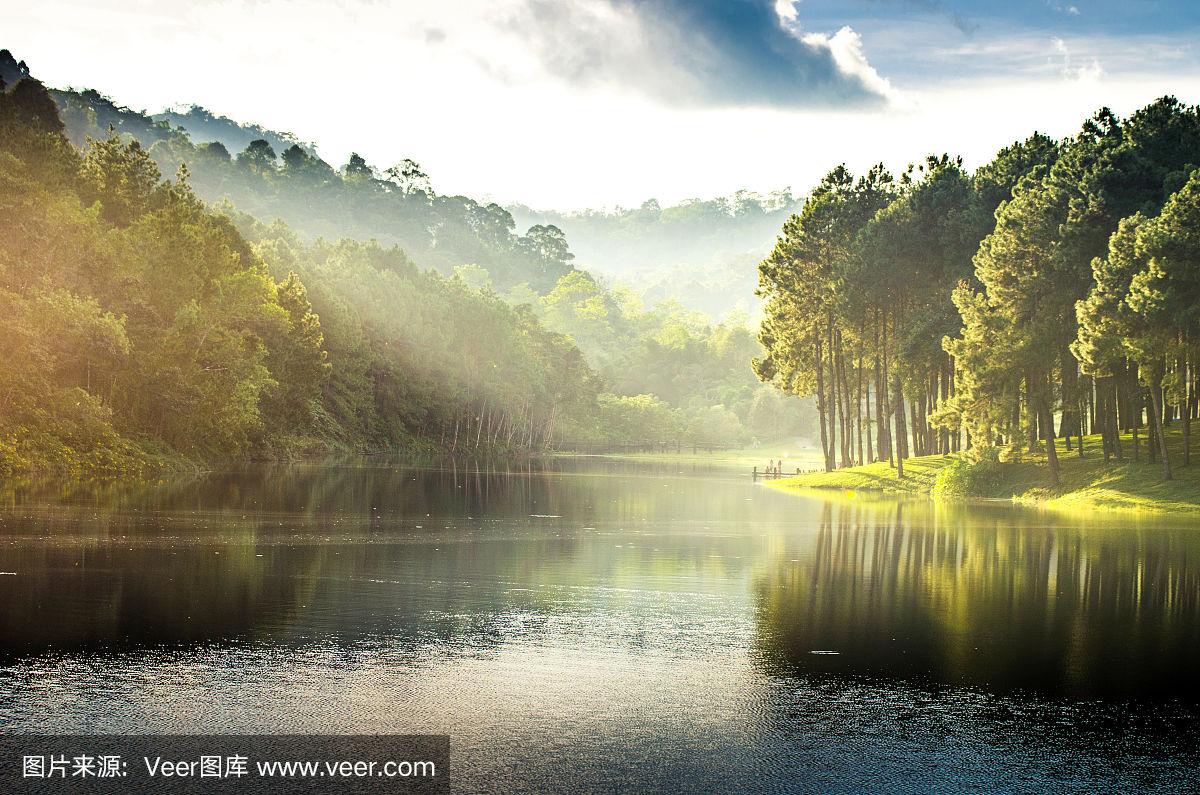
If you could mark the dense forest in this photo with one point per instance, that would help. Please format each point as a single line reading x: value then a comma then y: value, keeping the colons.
x: 140, y: 320
x: 148, y: 322
x: 692, y: 378
x: 1051, y: 294
x: 396, y: 205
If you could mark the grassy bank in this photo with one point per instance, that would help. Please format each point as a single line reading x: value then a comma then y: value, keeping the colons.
x: 1086, y: 482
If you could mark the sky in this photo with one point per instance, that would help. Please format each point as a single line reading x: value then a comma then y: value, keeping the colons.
x: 566, y: 104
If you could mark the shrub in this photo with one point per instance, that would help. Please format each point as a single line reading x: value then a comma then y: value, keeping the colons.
x: 979, y: 476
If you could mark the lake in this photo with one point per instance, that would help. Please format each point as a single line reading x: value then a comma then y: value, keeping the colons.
x: 605, y: 625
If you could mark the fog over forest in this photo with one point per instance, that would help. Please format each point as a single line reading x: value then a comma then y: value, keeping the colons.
x: 417, y: 318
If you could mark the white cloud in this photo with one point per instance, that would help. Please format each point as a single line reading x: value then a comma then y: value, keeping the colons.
x: 1090, y: 72
x: 847, y: 50
x: 693, y: 52
x: 1063, y: 9
x: 480, y: 112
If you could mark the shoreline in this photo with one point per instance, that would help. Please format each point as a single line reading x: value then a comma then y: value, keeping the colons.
x: 1087, y: 483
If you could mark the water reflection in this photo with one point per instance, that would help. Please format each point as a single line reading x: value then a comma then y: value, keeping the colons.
x: 990, y: 596
x: 305, y: 553
x: 661, y: 615
x: 993, y: 596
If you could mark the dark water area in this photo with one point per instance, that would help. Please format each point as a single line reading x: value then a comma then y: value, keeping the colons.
x: 599, y: 625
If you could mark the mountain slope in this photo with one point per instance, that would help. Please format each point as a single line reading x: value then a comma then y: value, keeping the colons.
x: 396, y: 207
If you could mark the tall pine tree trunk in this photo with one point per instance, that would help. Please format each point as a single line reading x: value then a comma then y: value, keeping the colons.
x: 885, y: 416
x: 844, y: 405
x: 1156, y: 410
x: 1070, y: 385
x: 835, y: 413
x: 870, y: 447
x: 858, y: 423
x: 1083, y: 412
x: 1047, y: 425
x: 822, y: 408
x: 901, y: 433
x: 1185, y: 407
x: 1114, y: 400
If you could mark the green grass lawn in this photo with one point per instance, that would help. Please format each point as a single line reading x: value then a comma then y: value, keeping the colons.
x: 1085, y: 482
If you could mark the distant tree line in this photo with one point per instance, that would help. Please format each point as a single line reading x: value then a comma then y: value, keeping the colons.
x: 699, y: 252
x: 395, y: 205
x: 1052, y: 293
x: 653, y: 235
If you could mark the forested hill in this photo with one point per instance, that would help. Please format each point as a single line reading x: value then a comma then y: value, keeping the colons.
x: 700, y: 252
x: 672, y: 373
x: 139, y: 324
x: 204, y: 127
x: 274, y: 175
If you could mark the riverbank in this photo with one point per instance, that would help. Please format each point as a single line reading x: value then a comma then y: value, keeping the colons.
x: 29, y: 457
x: 1084, y: 483
x: 792, y: 455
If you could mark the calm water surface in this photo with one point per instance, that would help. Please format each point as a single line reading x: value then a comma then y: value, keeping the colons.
x: 591, y: 625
